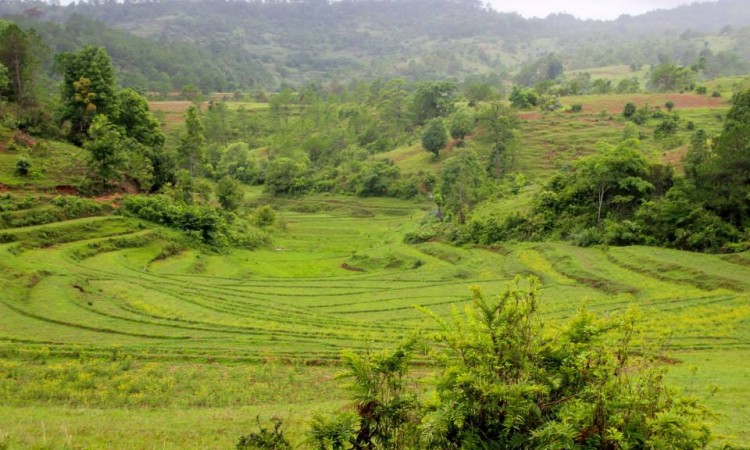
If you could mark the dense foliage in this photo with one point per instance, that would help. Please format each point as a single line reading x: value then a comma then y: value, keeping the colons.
x: 507, y: 382
x: 618, y: 197
x: 246, y: 45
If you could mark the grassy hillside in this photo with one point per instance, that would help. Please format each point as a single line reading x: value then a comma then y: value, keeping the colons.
x: 113, y: 334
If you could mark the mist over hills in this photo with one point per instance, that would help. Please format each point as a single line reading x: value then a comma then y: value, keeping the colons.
x: 226, y: 45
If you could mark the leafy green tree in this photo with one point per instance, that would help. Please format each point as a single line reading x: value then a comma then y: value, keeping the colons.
x: 462, y: 124
x: 237, y: 162
x: 19, y: 53
x: 505, y: 383
x: 628, y: 86
x: 285, y: 176
x: 229, y: 193
x: 460, y: 185
x: 143, y: 129
x: 667, y: 127
x: 669, y: 77
x: 88, y: 90
x: 107, y: 157
x: 375, y: 178
x: 697, y: 157
x: 184, y: 187
x: 730, y: 168
x: 500, y: 125
x: 217, y: 123
x: 433, y: 100
x: 435, y: 137
x: 613, y: 176
x: 4, y: 81
x: 192, y: 149
x: 281, y: 106
x: 137, y: 120
x: 523, y: 98
x: 386, y: 407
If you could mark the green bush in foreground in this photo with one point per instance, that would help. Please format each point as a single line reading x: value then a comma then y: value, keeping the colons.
x: 504, y: 382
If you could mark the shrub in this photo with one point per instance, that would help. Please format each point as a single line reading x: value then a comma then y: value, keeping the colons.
x: 629, y: 110
x: 23, y: 166
x: 265, y: 439
x: 576, y: 108
x: 264, y: 216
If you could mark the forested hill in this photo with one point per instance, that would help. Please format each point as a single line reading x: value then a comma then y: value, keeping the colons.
x: 238, y: 45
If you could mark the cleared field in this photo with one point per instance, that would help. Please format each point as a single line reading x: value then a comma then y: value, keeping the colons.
x: 100, y: 322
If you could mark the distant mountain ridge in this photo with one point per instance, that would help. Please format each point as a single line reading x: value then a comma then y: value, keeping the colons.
x: 252, y: 44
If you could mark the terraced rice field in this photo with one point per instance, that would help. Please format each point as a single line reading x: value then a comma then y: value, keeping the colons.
x: 337, y: 277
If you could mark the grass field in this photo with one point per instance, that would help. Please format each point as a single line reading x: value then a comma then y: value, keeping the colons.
x: 105, y: 342
x: 88, y: 335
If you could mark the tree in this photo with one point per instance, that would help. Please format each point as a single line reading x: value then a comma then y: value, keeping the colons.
x: 137, y: 120
x: 462, y: 125
x: 106, y: 153
x: 237, y: 162
x: 730, y: 167
x: 523, y: 97
x: 460, y: 183
x: 19, y: 54
x: 500, y: 124
x: 4, y: 81
x: 192, y: 145
x: 629, y: 110
x: 285, y: 176
x: 435, y: 137
x: 139, y: 124
x: 506, y: 384
x: 88, y: 90
x: 229, y: 193
x: 669, y: 77
x: 614, y: 175
x: 433, y: 100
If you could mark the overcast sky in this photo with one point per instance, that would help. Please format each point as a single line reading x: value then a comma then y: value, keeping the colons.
x: 585, y: 9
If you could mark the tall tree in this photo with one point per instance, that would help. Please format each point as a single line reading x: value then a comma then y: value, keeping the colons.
x: 88, y: 89
x: 19, y: 54
x: 460, y: 183
x: 434, y: 137
x: 106, y: 152
x: 192, y: 145
x: 730, y: 170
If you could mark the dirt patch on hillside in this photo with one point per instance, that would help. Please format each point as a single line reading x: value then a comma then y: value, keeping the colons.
x: 530, y: 115
x: 4, y: 188
x: 614, y: 104
x: 66, y: 190
x: 674, y: 157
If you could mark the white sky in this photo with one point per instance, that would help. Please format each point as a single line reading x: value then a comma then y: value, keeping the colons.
x: 585, y: 9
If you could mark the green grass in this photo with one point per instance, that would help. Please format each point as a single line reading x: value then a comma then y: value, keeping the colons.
x: 105, y: 343
x: 91, y: 331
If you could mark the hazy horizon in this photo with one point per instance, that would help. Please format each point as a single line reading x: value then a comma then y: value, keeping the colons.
x: 582, y: 9
x: 587, y: 9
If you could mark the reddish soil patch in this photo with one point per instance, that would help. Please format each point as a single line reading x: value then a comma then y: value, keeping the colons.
x: 614, y: 104
x: 4, y: 188
x: 674, y: 157
x: 530, y: 115
x: 108, y: 197
x: 66, y: 190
